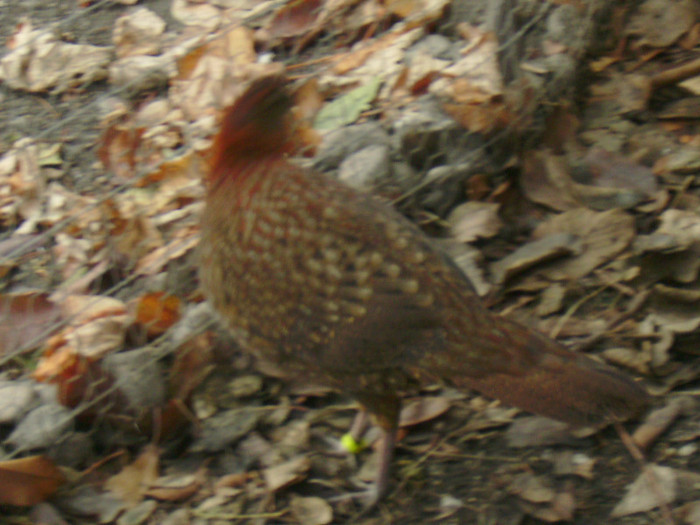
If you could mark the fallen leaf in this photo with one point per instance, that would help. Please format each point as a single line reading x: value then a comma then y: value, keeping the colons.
x: 657, y: 23
x: 422, y: 409
x: 119, y: 149
x: 347, y: 108
x: 539, y: 251
x: 96, y: 325
x: 659, y: 420
x: 138, y: 33
x: 655, y: 486
x: 225, y: 428
x: 41, y: 62
x: 531, y: 487
x: 177, y: 487
x: 561, y: 508
x: 568, y: 462
x: 24, y: 318
x: 199, y: 14
x: 193, y: 362
x: 545, y: 180
x: 311, y: 510
x: 157, y: 311
x: 602, y: 235
x: 288, y: 473
x: 183, y: 241
x: 134, y: 480
x: 28, y: 481
x: 475, y: 220
x: 295, y: 18
x: 537, y: 431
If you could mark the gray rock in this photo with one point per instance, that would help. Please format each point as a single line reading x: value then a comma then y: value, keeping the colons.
x: 437, y: 46
x: 42, y: 427
x: 138, y: 376
x: 226, y: 428
x: 340, y: 143
x: 75, y: 450
x: 366, y: 168
x: 16, y: 399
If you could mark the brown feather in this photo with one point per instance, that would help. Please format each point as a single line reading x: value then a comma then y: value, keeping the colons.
x: 334, y: 287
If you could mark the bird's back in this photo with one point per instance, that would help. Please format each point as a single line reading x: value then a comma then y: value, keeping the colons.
x: 334, y: 286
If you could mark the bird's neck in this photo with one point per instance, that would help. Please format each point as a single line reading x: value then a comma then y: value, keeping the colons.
x: 240, y: 182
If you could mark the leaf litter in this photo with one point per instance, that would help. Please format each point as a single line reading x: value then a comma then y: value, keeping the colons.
x: 599, y: 220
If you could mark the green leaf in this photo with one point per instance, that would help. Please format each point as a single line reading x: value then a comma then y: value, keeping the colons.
x: 347, y: 108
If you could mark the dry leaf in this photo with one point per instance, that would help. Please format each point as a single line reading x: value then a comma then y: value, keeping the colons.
x: 295, y: 18
x: 132, y: 483
x: 177, y: 487
x: 157, y: 311
x: 288, y: 473
x: 475, y: 220
x: 568, y: 462
x: 422, y: 409
x: 193, y: 362
x: 183, y: 241
x: 119, y: 148
x: 659, y: 420
x: 311, y: 510
x: 39, y: 62
x: 536, y: 431
x: 658, y: 23
x: 615, y: 171
x: 602, y: 235
x: 381, y: 58
x: 28, y: 481
x: 533, y: 253
x: 655, y: 486
x: 531, y: 488
x: 545, y: 181
x: 23, y: 318
x: 22, y: 187
x: 199, y: 14
x: 96, y: 325
x: 561, y: 508
x: 138, y: 33
x: 210, y: 77
x: 628, y: 357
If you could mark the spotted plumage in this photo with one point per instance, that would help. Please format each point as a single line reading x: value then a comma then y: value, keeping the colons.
x: 335, y: 287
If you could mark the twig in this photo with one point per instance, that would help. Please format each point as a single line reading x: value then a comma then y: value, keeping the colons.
x: 676, y: 74
x: 570, y: 312
x: 634, y: 306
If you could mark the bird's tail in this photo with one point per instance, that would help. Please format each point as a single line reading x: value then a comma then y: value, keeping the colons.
x: 547, y: 379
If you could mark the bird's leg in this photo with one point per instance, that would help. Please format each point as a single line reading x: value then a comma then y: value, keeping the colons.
x: 360, y: 425
x: 385, y: 410
x: 386, y: 454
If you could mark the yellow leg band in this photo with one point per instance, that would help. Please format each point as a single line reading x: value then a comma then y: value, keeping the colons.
x: 351, y: 445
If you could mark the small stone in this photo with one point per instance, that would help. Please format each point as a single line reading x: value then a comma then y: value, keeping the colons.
x: 366, y: 168
x: 42, y: 427
x: 16, y: 398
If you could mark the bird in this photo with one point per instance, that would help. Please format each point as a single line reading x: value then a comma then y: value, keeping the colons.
x: 333, y: 286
